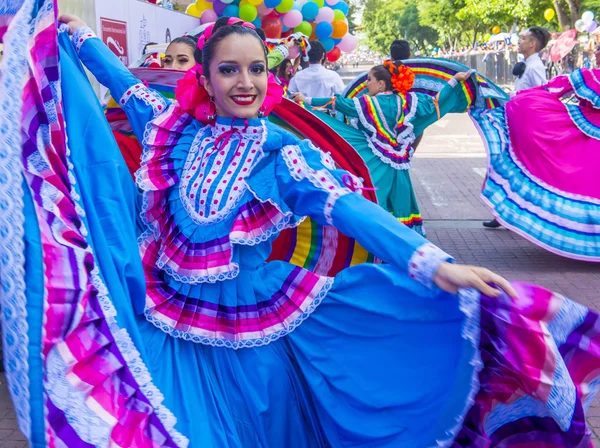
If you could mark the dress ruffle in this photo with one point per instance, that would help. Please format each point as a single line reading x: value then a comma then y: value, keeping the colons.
x: 560, y: 211
x: 190, y: 258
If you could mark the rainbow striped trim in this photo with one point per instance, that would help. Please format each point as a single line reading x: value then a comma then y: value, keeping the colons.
x: 392, y: 147
x: 92, y: 357
x: 236, y: 327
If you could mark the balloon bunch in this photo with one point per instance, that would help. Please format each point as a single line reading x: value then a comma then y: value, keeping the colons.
x: 323, y: 20
x: 586, y: 23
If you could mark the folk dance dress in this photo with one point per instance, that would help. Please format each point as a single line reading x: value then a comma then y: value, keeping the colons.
x: 543, y: 161
x: 224, y: 349
x: 383, y: 131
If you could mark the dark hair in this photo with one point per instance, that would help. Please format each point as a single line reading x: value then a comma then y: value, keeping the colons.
x: 187, y: 40
x: 541, y: 35
x: 400, y: 50
x: 383, y: 74
x: 316, y: 52
x: 145, y: 50
x: 281, y: 69
x: 221, y: 30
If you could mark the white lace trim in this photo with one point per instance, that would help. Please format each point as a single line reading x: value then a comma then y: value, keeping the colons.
x: 81, y: 35
x: 245, y: 343
x: 285, y: 52
x: 205, y: 277
x: 121, y: 336
x: 468, y: 303
x: 248, y: 132
x: 425, y: 262
x: 148, y: 96
x: 12, y: 249
x: 198, y: 161
x: 323, y: 179
x: 326, y: 159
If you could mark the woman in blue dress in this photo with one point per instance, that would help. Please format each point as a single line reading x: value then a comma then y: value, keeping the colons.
x: 249, y: 353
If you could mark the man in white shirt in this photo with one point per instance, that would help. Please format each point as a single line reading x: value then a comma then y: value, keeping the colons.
x: 316, y: 81
x: 531, y: 42
x: 531, y: 73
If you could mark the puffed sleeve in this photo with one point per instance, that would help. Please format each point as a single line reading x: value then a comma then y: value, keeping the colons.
x: 140, y: 103
x: 309, y: 188
x: 277, y: 56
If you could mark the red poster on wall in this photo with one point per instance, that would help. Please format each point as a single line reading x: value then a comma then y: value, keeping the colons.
x: 114, y: 35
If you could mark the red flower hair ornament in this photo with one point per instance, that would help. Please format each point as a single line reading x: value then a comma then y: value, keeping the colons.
x: 403, y: 77
x: 193, y: 97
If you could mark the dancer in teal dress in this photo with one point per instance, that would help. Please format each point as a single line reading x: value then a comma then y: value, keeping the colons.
x: 383, y: 127
x: 226, y: 349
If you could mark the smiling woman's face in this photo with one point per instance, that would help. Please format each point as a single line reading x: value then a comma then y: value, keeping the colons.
x: 238, y: 76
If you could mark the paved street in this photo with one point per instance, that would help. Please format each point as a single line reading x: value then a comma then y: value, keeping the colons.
x: 448, y: 171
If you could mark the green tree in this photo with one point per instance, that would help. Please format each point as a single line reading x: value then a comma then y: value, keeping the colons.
x: 386, y: 20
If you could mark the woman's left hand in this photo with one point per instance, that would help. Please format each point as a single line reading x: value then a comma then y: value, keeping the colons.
x: 451, y: 277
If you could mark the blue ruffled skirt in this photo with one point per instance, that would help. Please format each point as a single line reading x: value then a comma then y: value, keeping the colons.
x: 382, y: 362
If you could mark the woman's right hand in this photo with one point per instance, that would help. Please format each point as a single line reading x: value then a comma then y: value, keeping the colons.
x: 298, y: 97
x: 73, y: 22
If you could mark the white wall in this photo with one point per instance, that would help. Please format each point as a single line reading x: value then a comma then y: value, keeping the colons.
x: 145, y: 22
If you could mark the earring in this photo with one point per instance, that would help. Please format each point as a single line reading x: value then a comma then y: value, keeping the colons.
x: 260, y: 113
x: 212, y: 110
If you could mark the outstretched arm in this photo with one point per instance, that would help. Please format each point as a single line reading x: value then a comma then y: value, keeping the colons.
x: 140, y: 103
x: 325, y: 194
x: 338, y: 103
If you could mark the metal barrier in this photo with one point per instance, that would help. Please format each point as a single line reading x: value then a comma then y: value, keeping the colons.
x: 497, y: 67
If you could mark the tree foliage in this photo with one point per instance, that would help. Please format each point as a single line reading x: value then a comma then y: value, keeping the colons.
x: 386, y: 20
x: 454, y: 23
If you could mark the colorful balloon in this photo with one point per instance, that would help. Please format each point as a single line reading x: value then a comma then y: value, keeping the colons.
x: 272, y: 27
x: 320, y: 3
x: 549, y: 14
x: 227, y: 2
x: 348, y: 43
x: 496, y: 29
x: 255, y: 2
x: 326, y: 14
x: 592, y: 26
x: 257, y: 22
x: 587, y: 17
x: 310, y: 11
x: 313, y: 36
x: 232, y: 11
x: 331, y: 2
x: 304, y: 28
x: 292, y: 19
x: 342, y: 6
x: 248, y: 12
x: 219, y: 7
x: 285, y: 6
x: 272, y: 3
x: 323, y: 30
x: 202, y: 5
x: 338, y: 15
x: 208, y: 16
x: 328, y: 44
x: 340, y: 28
x: 192, y: 11
x: 334, y: 54
x: 263, y: 11
x: 580, y: 26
